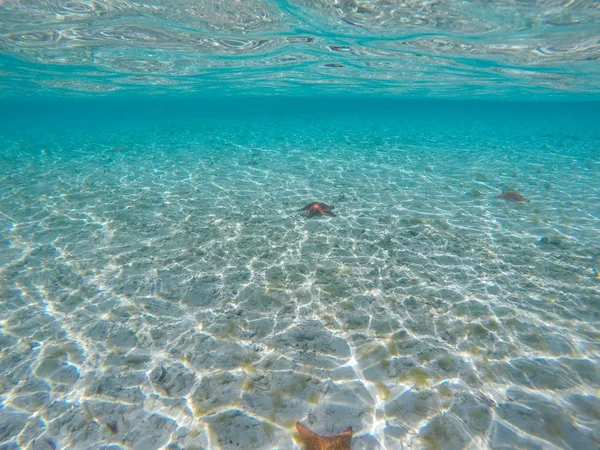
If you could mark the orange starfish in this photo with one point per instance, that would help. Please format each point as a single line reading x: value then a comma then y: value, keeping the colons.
x: 512, y: 196
x: 312, y: 441
x: 318, y: 208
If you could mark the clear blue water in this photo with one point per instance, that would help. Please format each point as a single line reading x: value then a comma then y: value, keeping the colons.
x: 159, y: 287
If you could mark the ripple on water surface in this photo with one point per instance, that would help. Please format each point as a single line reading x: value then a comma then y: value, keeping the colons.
x: 451, y: 49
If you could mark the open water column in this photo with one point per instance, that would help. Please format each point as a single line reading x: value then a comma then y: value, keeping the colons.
x: 299, y: 224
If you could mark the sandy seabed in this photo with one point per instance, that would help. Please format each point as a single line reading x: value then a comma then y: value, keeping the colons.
x: 160, y: 289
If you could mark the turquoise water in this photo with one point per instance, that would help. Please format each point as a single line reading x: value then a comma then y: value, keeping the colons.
x: 160, y: 287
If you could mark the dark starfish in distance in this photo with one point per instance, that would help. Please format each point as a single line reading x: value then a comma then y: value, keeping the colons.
x: 313, y: 441
x: 512, y: 196
x: 318, y: 208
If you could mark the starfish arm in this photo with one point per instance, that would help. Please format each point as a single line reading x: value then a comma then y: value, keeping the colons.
x: 310, y: 439
x: 313, y: 441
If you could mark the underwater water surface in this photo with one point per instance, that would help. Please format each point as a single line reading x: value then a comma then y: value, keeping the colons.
x: 415, y: 48
x: 160, y: 289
